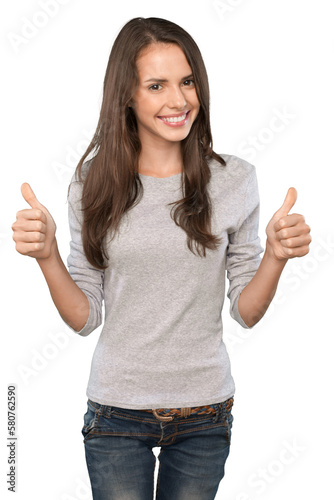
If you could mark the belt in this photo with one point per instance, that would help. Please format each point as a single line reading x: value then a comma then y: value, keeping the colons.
x: 167, y: 414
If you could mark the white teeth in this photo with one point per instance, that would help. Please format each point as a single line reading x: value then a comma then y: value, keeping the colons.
x: 175, y: 119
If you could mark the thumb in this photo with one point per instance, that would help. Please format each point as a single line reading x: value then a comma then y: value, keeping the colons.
x: 29, y: 196
x: 289, y: 202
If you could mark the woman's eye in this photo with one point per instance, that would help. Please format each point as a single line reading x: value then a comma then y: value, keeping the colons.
x: 154, y: 87
x: 188, y: 83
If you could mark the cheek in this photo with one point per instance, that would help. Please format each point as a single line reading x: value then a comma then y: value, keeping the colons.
x: 195, y: 103
x: 145, y: 108
x: 197, y: 106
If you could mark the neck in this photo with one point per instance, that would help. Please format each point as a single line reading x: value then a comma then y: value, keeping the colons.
x: 160, y: 160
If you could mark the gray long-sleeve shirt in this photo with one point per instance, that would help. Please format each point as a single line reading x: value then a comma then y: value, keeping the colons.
x: 161, y: 344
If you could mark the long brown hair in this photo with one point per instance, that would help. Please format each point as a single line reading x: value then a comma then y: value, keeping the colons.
x: 111, y: 184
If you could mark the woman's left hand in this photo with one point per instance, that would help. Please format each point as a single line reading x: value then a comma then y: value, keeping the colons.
x: 288, y: 235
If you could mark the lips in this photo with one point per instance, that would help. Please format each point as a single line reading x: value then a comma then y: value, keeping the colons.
x: 179, y: 118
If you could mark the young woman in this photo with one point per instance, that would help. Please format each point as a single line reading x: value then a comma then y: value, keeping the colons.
x: 156, y: 218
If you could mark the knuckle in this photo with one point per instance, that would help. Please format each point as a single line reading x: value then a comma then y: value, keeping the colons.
x: 39, y: 237
x: 17, y: 226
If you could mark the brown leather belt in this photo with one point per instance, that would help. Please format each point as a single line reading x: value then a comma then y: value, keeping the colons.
x: 167, y: 414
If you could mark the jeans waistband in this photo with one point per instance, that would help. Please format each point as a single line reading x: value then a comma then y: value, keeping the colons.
x: 168, y: 414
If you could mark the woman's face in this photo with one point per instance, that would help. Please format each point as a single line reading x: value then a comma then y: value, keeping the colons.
x: 165, y: 103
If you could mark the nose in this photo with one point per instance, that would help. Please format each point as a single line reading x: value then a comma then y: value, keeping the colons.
x: 176, y: 98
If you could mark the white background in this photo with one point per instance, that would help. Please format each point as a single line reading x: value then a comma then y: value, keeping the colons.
x: 264, y: 58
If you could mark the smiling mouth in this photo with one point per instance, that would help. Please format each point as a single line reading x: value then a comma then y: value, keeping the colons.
x: 175, y: 119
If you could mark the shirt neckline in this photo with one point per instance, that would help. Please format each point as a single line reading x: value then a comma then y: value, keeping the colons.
x: 160, y: 178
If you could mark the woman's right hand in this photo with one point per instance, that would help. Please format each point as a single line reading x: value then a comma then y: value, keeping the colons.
x: 34, y: 228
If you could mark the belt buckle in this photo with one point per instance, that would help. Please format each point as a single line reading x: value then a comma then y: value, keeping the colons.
x: 160, y: 417
x: 184, y: 413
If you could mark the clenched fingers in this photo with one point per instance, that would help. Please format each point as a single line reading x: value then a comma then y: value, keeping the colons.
x: 297, y: 241
x: 289, y: 221
x: 29, y: 248
x: 28, y: 236
x: 31, y: 214
x: 29, y: 225
x: 294, y: 231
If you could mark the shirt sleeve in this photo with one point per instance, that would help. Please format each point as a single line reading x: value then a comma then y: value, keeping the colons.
x: 244, y: 248
x: 88, y: 278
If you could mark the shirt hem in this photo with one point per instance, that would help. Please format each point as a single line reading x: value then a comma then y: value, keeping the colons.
x: 164, y: 404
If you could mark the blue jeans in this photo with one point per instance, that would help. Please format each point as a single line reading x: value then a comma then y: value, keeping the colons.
x: 120, y: 461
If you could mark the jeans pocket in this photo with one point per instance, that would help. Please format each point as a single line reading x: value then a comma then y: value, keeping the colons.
x: 90, y: 420
x: 228, y: 417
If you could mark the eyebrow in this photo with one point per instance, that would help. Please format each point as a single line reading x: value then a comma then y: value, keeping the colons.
x: 163, y: 80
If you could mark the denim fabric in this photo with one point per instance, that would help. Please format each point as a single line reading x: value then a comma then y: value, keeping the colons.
x: 120, y: 461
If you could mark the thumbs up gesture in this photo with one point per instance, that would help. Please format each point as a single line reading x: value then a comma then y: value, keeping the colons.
x: 288, y: 235
x: 34, y: 229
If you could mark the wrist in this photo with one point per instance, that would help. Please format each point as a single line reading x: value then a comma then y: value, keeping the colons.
x: 270, y: 256
x: 52, y: 258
